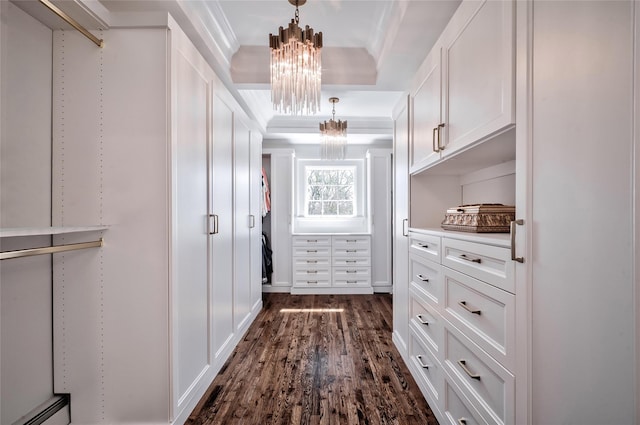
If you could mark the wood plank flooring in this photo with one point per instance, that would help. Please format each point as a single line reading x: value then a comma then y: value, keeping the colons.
x: 316, y: 359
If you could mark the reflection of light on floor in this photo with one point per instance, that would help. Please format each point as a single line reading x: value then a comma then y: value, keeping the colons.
x: 311, y: 310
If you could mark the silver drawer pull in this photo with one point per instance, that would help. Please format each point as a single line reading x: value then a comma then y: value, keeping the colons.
x: 352, y: 250
x: 422, y: 245
x: 463, y: 365
x: 350, y: 261
x: 421, y: 320
x: 462, y: 421
x: 312, y: 282
x: 352, y: 281
x: 351, y: 241
x: 422, y: 278
x: 473, y: 260
x: 312, y: 271
x: 312, y: 261
x: 463, y: 304
x: 421, y: 363
x: 312, y: 250
x: 352, y: 271
x: 312, y: 240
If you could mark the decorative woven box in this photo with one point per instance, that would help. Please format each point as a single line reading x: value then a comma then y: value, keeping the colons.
x: 480, y: 218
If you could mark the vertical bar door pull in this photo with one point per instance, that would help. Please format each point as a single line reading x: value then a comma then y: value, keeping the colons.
x: 405, y: 231
x: 252, y: 221
x: 519, y: 222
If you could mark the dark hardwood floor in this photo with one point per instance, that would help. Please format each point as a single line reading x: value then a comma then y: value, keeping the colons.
x: 316, y: 359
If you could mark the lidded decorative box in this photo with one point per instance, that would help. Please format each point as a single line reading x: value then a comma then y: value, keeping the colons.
x: 480, y: 218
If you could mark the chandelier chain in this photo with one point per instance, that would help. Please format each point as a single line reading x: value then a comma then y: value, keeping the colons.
x: 297, y: 15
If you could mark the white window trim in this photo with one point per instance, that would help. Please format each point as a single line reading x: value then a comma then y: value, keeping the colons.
x: 358, y: 223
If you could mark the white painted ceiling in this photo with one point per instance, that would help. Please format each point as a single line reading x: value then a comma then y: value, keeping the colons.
x: 372, y: 49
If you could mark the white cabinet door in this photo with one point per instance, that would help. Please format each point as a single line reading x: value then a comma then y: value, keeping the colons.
x: 281, y: 188
x: 582, y: 77
x: 478, y: 64
x: 221, y: 199
x: 241, y: 223
x: 255, y: 200
x: 426, y: 114
x: 380, y: 178
x: 191, y: 84
x: 400, y: 229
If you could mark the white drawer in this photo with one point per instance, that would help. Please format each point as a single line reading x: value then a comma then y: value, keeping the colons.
x: 351, y: 272
x: 483, y: 312
x: 428, y: 371
x: 426, y: 246
x: 347, y: 252
x: 311, y: 261
x: 427, y: 276
x: 311, y: 273
x: 350, y: 241
x: 311, y: 282
x: 312, y: 251
x: 458, y: 412
x: 352, y: 281
x: 488, y: 263
x: 426, y: 321
x: 489, y: 387
x: 312, y: 240
x: 352, y: 262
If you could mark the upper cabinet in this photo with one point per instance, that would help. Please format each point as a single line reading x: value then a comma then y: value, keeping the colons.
x: 464, y: 92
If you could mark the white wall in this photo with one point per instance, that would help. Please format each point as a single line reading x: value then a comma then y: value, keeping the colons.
x: 26, y: 369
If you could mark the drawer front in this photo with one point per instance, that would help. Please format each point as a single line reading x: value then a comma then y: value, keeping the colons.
x: 347, y: 252
x: 428, y: 371
x: 426, y: 321
x: 488, y: 263
x: 426, y: 246
x: 312, y: 251
x: 311, y: 262
x: 311, y: 273
x: 427, y: 276
x: 350, y: 241
x: 312, y: 240
x: 352, y: 262
x: 490, y: 387
x: 456, y: 410
x: 352, y: 281
x: 351, y: 272
x: 311, y: 282
x: 483, y: 312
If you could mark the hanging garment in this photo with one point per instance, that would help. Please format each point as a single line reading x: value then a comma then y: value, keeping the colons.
x: 266, y: 194
x: 267, y: 264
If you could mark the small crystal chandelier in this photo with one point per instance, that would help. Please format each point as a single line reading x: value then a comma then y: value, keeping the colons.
x: 334, y: 135
x: 296, y: 67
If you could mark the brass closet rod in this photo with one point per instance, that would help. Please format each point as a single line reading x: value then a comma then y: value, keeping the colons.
x: 49, y: 249
x: 73, y: 22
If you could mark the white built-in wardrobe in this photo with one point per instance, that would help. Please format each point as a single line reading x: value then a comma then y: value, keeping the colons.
x: 534, y: 104
x: 145, y: 148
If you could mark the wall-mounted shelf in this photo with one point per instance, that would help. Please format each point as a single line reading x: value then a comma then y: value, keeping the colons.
x: 43, y: 231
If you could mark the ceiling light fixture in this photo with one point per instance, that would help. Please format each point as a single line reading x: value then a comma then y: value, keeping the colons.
x: 334, y: 135
x: 296, y: 67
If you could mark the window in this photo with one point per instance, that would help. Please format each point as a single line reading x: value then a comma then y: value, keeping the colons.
x: 330, y: 191
x: 330, y: 196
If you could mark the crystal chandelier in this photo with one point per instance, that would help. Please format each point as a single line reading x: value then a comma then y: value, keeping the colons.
x: 334, y: 135
x: 295, y: 67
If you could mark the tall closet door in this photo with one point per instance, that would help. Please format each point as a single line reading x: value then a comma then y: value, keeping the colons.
x: 400, y: 224
x: 255, y: 171
x: 242, y: 221
x: 191, y: 85
x: 221, y: 207
x: 582, y: 263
